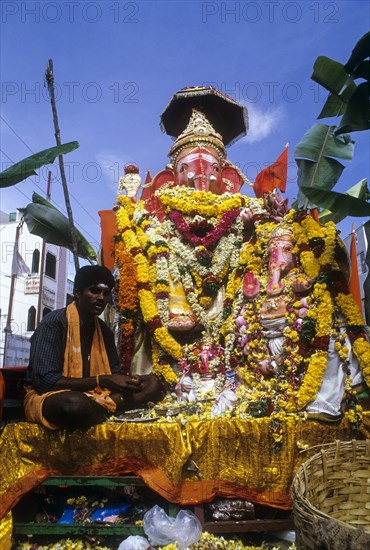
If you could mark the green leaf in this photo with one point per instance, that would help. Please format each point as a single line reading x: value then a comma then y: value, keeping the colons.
x: 338, y: 202
x: 363, y: 70
x: 332, y: 107
x: 47, y: 222
x: 38, y: 199
x: 357, y: 115
x: 26, y: 167
x: 320, y: 141
x: 316, y: 157
x: 323, y: 176
x: 333, y: 76
x: 359, y: 190
x: 360, y: 52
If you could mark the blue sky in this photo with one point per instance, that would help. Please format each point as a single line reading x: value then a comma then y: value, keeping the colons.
x: 117, y: 65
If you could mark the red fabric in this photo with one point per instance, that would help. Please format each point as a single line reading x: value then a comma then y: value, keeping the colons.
x: 354, y: 282
x: 272, y: 177
x: 147, y: 191
x: 108, y: 231
x: 314, y: 214
x: 188, y: 492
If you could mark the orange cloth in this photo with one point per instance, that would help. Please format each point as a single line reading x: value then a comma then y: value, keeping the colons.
x: 33, y: 403
x: 272, y: 177
x: 99, y: 363
x: 108, y: 231
x: 235, y: 458
x: 354, y: 281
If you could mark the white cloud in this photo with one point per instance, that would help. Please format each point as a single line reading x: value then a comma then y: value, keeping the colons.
x: 111, y: 166
x: 262, y: 123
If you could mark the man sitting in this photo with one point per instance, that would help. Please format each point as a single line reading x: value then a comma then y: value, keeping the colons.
x: 73, y: 379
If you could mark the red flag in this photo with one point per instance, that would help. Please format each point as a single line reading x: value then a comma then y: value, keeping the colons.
x: 314, y: 214
x: 108, y: 231
x: 354, y: 281
x: 272, y: 177
x: 147, y: 189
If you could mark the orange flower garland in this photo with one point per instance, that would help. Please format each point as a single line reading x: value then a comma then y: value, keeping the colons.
x: 127, y: 303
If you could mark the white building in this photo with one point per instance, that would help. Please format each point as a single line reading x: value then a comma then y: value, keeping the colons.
x: 25, y: 315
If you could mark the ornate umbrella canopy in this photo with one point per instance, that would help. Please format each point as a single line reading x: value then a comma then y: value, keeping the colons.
x: 228, y: 117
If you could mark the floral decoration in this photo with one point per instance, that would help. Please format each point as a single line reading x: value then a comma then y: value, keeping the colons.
x: 201, y: 246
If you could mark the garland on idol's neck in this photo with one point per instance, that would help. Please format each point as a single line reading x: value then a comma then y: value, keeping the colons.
x: 189, y: 201
x: 212, y: 237
x: 202, y: 272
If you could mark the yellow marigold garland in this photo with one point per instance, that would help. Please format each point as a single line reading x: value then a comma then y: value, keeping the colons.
x: 146, y: 298
x: 349, y: 308
x: 186, y: 200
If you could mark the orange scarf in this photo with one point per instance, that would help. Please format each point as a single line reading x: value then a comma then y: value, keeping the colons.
x: 99, y: 363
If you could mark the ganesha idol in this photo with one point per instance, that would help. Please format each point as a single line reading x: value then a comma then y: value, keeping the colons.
x: 236, y: 301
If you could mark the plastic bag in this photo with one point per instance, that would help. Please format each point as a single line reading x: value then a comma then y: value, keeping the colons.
x: 161, y: 530
x: 110, y: 510
x: 134, y: 542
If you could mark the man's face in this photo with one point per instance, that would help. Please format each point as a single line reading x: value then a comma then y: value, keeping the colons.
x: 92, y: 300
x: 199, y: 168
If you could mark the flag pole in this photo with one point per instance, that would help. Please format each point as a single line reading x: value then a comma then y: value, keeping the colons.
x: 42, y: 262
x: 8, y: 327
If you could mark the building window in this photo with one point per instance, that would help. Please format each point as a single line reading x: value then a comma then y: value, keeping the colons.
x: 35, y: 261
x: 13, y: 216
x: 45, y: 311
x: 50, y: 265
x: 31, y: 318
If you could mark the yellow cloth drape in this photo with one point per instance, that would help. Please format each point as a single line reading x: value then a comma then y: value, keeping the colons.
x: 6, y: 527
x: 234, y: 457
x: 99, y: 363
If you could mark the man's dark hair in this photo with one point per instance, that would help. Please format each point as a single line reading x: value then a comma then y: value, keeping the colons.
x: 90, y: 275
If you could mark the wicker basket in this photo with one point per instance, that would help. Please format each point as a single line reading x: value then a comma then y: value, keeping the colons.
x: 331, y: 498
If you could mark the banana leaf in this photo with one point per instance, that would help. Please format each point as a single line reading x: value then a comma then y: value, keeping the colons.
x: 360, y: 52
x: 339, y: 80
x: 26, y: 167
x: 337, y: 202
x: 362, y: 70
x: 320, y: 141
x: 316, y: 156
x: 333, y: 106
x: 333, y: 76
x: 44, y: 220
x: 359, y: 191
x: 357, y: 114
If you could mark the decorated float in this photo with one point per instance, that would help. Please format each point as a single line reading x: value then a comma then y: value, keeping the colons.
x: 241, y: 305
